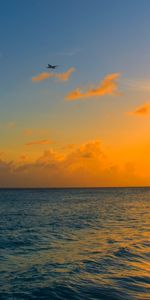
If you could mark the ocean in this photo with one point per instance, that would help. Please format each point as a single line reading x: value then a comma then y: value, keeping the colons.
x: 75, y: 244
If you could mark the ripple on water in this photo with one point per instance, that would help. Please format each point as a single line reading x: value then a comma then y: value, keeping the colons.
x: 75, y: 244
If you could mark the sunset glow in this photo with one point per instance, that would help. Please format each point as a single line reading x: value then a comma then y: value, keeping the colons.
x: 86, y: 123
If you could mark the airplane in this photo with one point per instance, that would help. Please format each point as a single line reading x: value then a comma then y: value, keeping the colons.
x: 52, y: 67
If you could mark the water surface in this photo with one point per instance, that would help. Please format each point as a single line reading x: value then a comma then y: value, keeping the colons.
x: 75, y: 244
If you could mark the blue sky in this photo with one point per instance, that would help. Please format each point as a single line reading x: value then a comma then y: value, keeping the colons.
x: 97, y: 37
x: 105, y: 33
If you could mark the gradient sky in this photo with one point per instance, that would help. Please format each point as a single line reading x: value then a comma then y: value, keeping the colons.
x: 88, y: 122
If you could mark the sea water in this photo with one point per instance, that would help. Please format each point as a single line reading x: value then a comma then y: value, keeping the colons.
x: 75, y: 243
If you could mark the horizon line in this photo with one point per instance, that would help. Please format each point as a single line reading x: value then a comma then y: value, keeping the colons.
x: 76, y: 187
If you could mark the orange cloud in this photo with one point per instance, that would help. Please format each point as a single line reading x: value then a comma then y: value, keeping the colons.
x: 60, y: 76
x: 39, y: 142
x: 84, y: 165
x: 42, y: 76
x: 23, y: 158
x: 49, y: 157
x: 141, y: 111
x: 88, y: 156
x: 65, y: 76
x: 108, y: 86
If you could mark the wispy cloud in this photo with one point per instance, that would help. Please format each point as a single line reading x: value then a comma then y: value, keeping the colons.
x: 136, y: 85
x: 39, y: 142
x: 142, y: 110
x: 42, y: 76
x: 108, y: 86
x: 60, y: 76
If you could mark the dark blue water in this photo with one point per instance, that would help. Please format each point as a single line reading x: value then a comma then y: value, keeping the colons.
x: 75, y: 244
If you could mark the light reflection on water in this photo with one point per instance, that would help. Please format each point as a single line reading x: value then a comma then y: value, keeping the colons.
x: 75, y: 244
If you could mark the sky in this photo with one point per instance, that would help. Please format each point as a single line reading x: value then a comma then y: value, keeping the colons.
x: 87, y: 122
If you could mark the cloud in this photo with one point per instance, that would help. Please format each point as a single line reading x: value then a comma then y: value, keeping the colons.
x: 54, y: 168
x: 49, y: 157
x: 23, y: 158
x: 84, y: 165
x: 137, y: 85
x: 39, y: 142
x: 42, y: 76
x: 143, y: 110
x: 60, y: 76
x: 108, y: 86
x: 87, y: 157
x: 89, y: 150
x: 65, y: 76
